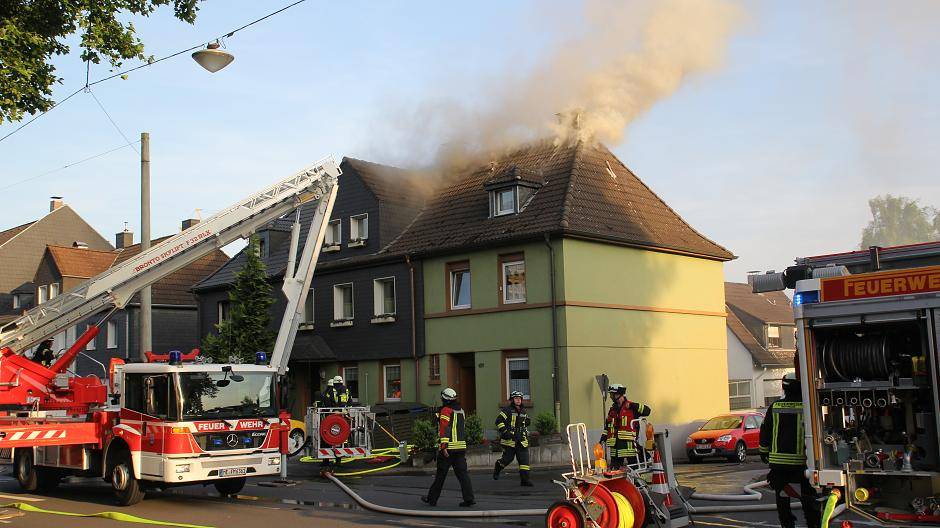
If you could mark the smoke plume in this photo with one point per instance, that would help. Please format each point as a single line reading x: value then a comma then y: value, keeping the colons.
x: 629, y: 55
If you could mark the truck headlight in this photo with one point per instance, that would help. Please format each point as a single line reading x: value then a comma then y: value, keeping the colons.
x: 724, y: 439
x: 182, y: 468
x: 274, y: 461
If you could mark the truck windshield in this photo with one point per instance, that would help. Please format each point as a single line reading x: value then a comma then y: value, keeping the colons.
x: 722, y: 422
x: 202, y: 397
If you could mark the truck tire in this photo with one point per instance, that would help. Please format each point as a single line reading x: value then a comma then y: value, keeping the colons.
x: 230, y: 486
x: 25, y: 471
x: 127, y: 489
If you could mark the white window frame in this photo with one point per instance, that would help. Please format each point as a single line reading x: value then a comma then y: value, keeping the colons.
x: 385, y: 382
x: 54, y: 290
x: 112, y: 335
x: 378, y: 297
x: 339, y: 313
x: 738, y: 396
x: 452, y: 293
x: 42, y: 294
x: 358, y: 381
x: 774, y: 329
x: 220, y: 311
x: 91, y: 344
x: 506, y: 364
x: 355, y: 233
x: 503, y: 283
x: 334, y: 227
x: 16, y: 301
x: 309, y: 309
x: 496, y: 205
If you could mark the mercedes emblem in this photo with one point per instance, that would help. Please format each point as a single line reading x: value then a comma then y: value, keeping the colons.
x: 232, y: 440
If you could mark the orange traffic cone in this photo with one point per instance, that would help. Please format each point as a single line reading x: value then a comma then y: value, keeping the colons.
x: 659, y: 484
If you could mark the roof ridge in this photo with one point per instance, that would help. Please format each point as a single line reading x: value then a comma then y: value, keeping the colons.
x: 108, y: 251
x: 673, y: 211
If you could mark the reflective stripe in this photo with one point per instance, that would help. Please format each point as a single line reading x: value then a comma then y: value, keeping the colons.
x: 523, y: 467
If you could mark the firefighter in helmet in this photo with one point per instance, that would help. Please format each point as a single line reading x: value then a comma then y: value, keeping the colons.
x: 783, y: 447
x: 512, y: 425
x: 326, y: 398
x: 452, y: 449
x: 341, y: 396
x: 619, y: 432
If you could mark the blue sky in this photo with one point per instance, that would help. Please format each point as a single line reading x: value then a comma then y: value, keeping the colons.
x: 817, y: 108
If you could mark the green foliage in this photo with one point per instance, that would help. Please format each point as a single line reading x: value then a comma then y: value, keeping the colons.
x: 474, y: 429
x: 545, y: 423
x: 247, y: 330
x: 899, y: 220
x: 424, y: 435
x: 32, y: 32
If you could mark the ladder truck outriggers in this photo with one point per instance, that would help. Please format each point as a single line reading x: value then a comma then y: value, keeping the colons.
x: 169, y: 421
x: 867, y: 325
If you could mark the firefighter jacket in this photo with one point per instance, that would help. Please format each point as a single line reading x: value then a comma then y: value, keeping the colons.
x: 781, y: 434
x: 621, y: 436
x: 513, y: 427
x: 451, y: 428
x: 336, y: 396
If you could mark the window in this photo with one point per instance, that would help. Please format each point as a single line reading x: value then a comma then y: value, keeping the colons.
x: 739, y: 394
x: 359, y: 227
x: 42, y: 294
x: 334, y: 233
x: 16, y: 302
x: 343, y: 302
x: 513, y: 281
x: 53, y: 290
x: 308, y: 308
x: 392, y: 382
x: 263, y: 246
x: 773, y: 336
x: 434, y: 368
x: 503, y: 201
x: 351, y: 377
x: 112, y: 334
x: 752, y: 422
x: 91, y: 344
x: 224, y: 310
x: 460, y: 286
x: 517, y: 376
x: 384, y: 296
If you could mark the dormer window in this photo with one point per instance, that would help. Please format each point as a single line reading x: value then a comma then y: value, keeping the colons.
x: 504, y: 201
x: 511, y: 191
x: 358, y: 230
x: 333, y: 237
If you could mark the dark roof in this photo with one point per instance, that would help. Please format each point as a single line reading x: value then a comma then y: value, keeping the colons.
x: 770, y: 307
x: 585, y: 191
x: 175, y: 288
x: 761, y: 356
x: 311, y: 347
x: 388, y: 184
x: 13, y: 231
x: 82, y: 263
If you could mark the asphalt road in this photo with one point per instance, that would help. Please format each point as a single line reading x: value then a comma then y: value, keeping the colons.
x: 316, y: 502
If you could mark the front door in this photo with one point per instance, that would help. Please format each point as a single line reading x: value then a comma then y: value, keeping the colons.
x: 465, y: 380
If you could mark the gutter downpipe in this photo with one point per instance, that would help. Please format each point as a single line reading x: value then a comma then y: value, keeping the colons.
x: 551, y: 267
x: 414, y: 334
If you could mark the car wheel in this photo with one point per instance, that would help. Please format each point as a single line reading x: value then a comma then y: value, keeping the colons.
x: 295, y: 442
x: 230, y: 486
x: 127, y: 489
x: 740, y: 453
x: 695, y: 459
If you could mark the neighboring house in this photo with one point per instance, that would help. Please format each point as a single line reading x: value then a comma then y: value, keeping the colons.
x: 360, y: 321
x: 22, y: 247
x: 552, y: 265
x: 174, y: 309
x: 761, y: 345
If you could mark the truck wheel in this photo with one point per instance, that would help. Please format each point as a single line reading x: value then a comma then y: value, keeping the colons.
x: 740, y: 453
x: 25, y: 471
x: 230, y: 486
x: 127, y: 489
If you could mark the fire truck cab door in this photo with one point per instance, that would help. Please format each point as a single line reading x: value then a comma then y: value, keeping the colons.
x: 157, y: 411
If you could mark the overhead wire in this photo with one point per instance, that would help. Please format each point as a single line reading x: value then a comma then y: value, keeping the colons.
x: 116, y: 127
x: 144, y: 65
x: 67, y: 165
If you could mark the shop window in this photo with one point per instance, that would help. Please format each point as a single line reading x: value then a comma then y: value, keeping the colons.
x: 392, y: 382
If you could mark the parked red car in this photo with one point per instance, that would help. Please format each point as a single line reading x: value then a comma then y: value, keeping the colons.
x: 732, y: 436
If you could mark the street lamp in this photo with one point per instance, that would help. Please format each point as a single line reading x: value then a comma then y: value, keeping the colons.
x: 213, y: 58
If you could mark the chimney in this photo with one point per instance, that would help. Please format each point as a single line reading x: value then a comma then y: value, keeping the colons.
x: 55, y: 202
x: 123, y: 239
x: 78, y: 244
x: 189, y: 222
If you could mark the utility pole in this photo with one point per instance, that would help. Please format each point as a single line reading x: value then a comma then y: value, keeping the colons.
x: 146, y: 337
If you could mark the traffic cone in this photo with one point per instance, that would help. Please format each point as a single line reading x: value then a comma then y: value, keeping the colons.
x: 659, y: 484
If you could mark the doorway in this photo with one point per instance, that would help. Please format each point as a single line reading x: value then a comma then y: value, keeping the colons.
x: 462, y: 373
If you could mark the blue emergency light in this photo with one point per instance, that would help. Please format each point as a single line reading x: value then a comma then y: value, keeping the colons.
x: 176, y: 357
x: 261, y: 357
x: 807, y: 297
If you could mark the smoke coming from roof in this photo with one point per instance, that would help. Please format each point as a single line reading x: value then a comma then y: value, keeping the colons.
x: 629, y: 55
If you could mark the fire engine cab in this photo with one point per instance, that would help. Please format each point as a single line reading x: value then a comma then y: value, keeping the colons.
x: 867, y: 327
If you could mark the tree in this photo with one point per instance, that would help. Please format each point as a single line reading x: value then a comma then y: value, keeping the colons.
x: 247, y: 330
x: 32, y: 32
x: 899, y: 220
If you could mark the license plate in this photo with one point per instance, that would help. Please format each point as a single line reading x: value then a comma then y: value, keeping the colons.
x: 233, y: 472
x: 703, y: 446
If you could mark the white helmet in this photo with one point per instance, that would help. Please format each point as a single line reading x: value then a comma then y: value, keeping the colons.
x: 448, y: 394
x: 337, y: 379
x: 329, y: 382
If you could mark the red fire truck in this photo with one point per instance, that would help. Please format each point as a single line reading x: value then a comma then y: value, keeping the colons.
x: 867, y: 339
x: 175, y: 419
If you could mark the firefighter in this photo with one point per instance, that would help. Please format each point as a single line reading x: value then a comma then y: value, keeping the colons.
x: 44, y: 355
x: 326, y: 399
x: 783, y: 446
x: 512, y: 424
x: 618, y: 428
x: 452, y: 450
x: 340, y: 392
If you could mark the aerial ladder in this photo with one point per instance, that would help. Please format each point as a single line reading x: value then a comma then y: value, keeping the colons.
x: 42, y: 408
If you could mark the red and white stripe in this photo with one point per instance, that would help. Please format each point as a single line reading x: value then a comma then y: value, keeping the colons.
x: 342, y: 451
x: 51, y: 434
